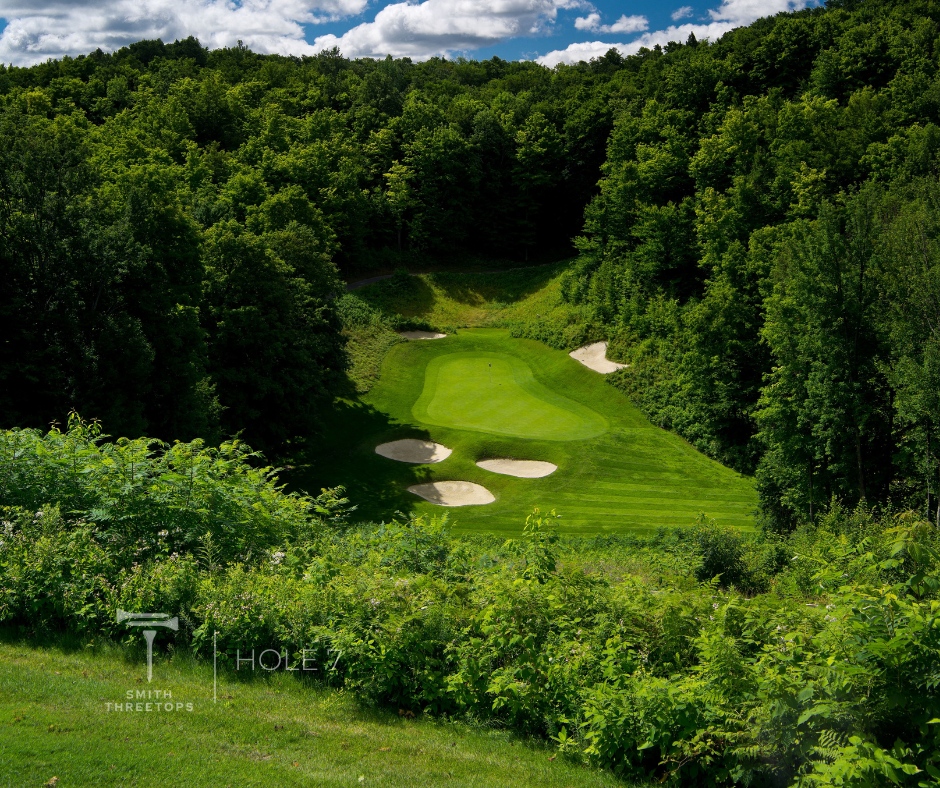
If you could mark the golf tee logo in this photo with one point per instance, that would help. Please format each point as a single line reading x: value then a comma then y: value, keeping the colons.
x: 148, y: 620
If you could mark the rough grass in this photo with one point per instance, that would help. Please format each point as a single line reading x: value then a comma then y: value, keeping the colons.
x: 633, y: 477
x: 526, y: 300
x: 367, y: 347
x: 274, y: 731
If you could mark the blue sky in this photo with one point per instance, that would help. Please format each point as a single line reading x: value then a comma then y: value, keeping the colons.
x: 550, y: 31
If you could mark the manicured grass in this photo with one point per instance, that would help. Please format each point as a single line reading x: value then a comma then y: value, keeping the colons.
x: 630, y: 477
x: 275, y: 731
x: 497, y: 393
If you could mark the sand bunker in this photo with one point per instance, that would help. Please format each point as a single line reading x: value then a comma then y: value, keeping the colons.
x: 594, y: 356
x: 524, y: 469
x: 453, y: 493
x: 421, y: 335
x: 414, y: 450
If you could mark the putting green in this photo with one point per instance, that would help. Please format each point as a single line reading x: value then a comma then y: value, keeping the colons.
x: 486, y: 395
x: 497, y: 393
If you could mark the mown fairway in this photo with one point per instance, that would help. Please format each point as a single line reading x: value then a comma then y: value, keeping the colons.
x: 485, y: 395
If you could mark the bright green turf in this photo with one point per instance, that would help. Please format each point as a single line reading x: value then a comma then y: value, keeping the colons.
x: 630, y: 477
x: 497, y: 393
x: 276, y: 731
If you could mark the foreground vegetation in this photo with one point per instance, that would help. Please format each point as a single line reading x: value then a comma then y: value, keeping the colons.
x: 693, y: 656
x: 273, y: 730
x: 616, y: 471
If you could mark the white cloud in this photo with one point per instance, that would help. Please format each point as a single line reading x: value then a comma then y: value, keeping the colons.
x: 626, y: 24
x: 743, y: 12
x: 38, y: 30
x: 442, y: 27
x: 583, y: 50
x: 41, y: 29
x: 682, y: 13
x: 729, y: 15
x: 589, y: 22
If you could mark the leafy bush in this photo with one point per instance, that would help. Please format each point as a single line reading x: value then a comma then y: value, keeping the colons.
x: 143, y: 498
x: 815, y: 660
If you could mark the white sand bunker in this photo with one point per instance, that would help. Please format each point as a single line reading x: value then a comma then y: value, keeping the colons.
x: 524, y: 469
x: 421, y: 335
x: 594, y: 356
x: 453, y: 493
x: 414, y: 450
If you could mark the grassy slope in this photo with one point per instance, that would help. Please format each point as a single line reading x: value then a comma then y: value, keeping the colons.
x: 54, y: 723
x: 632, y: 477
x: 525, y: 299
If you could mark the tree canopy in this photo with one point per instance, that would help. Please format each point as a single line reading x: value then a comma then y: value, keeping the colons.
x: 754, y: 219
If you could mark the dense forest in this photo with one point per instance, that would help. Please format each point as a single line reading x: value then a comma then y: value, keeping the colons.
x: 754, y: 225
x: 173, y: 218
x: 754, y: 222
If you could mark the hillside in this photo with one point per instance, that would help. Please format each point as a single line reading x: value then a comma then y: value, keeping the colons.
x: 721, y: 565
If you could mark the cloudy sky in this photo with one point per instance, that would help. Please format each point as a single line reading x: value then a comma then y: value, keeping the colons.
x: 550, y: 31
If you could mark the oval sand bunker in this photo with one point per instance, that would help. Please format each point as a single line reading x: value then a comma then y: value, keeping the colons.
x: 421, y: 335
x: 414, y: 450
x: 594, y: 356
x: 524, y: 469
x: 453, y: 493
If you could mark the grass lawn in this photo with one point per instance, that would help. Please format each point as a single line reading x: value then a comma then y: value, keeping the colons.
x: 274, y: 731
x: 485, y: 394
x: 497, y: 393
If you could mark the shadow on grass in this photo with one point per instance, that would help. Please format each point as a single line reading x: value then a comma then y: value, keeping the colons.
x: 504, y: 287
x: 345, y: 455
x: 409, y: 297
x: 415, y: 297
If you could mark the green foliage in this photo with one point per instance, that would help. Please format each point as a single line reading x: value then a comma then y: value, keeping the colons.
x: 761, y: 252
x: 630, y: 665
x: 143, y: 499
x: 815, y: 660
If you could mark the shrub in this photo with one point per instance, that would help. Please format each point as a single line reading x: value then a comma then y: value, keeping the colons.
x: 829, y: 677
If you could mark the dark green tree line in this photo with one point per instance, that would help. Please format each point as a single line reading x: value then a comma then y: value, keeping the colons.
x: 763, y: 249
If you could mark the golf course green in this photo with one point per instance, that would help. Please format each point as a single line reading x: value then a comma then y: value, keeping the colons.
x: 497, y: 393
x: 486, y: 395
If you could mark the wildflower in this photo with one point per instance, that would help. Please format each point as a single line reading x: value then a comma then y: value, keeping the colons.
x: 277, y: 557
